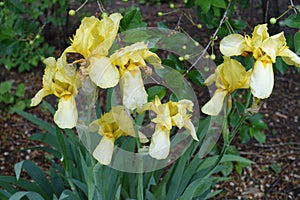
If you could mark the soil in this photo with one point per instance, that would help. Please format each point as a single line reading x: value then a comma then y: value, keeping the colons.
x: 281, y: 112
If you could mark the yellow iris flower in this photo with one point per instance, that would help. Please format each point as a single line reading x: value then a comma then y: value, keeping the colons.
x: 93, y: 40
x: 61, y: 80
x: 228, y: 77
x: 264, y: 49
x: 168, y: 115
x: 129, y: 60
x: 111, y: 126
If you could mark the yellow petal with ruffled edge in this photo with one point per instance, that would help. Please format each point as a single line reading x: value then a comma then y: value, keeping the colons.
x: 66, y: 115
x: 214, y: 106
x: 104, y: 150
x: 272, y: 45
x: 289, y: 57
x: 262, y: 79
x: 232, y: 45
x: 160, y: 143
x: 103, y: 73
x: 132, y: 87
x: 233, y: 75
x: 259, y: 34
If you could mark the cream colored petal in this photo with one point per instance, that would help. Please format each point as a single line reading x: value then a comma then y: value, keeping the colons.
x: 103, y: 73
x: 260, y: 33
x: 132, y: 87
x: 66, y: 115
x: 142, y: 137
x: 272, y: 45
x: 290, y: 57
x: 94, y: 126
x: 160, y: 143
x: 39, y: 96
x: 210, y: 80
x: 163, y: 116
x: 108, y: 29
x: 262, y: 80
x: 232, y: 45
x: 189, y: 126
x: 184, y: 105
x: 123, y: 120
x: 214, y: 105
x: 178, y: 120
x: 104, y: 150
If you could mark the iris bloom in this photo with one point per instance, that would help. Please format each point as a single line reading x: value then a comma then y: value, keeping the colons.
x: 168, y: 115
x: 265, y: 49
x: 129, y: 60
x: 228, y: 77
x: 61, y: 80
x: 111, y: 126
x: 92, y: 40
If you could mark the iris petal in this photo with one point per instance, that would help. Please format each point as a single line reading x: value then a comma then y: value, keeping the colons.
x: 104, y: 150
x: 160, y: 143
x: 262, y: 80
x: 214, y: 105
x: 66, y: 115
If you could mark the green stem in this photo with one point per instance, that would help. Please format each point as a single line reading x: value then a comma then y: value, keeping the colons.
x: 226, y: 144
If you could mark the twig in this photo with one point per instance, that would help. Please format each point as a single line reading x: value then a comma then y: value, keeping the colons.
x: 293, y: 6
x: 276, y: 145
x: 212, y: 39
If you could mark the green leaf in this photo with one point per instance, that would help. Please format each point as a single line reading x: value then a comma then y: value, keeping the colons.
x: 244, y: 132
x: 204, y: 5
x: 20, y: 90
x: 132, y: 19
x: 35, y: 173
x: 156, y: 90
x: 228, y: 168
x: 239, y: 24
x: 260, y: 136
x: 7, y: 98
x: 200, y: 186
x: 196, y: 77
x: 276, y: 168
x: 20, y: 105
x: 29, y: 195
x: 297, y: 42
x: 5, y: 86
x: 293, y: 21
x: 218, y: 3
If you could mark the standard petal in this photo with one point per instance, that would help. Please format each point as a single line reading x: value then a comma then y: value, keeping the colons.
x: 232, y: 45
x: 104, y: 150
x: 66, y: 115
x: 103, y: 73
x: 262, y: 79
x: 160, y: 143
x: 178, y: 120
x: 272, y: 45
x: 290, y: 57
x: 132, y: 87
x: 39, y: 96
x: 214, y: 105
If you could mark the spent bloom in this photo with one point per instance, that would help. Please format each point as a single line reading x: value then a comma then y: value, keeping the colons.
x: 167, y: 115
x: 92, y: 40
x: 264, y: 49
x: 111, y: 126
x: 129, y: 60
x: 228, y: 77
x: 61, y: 80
